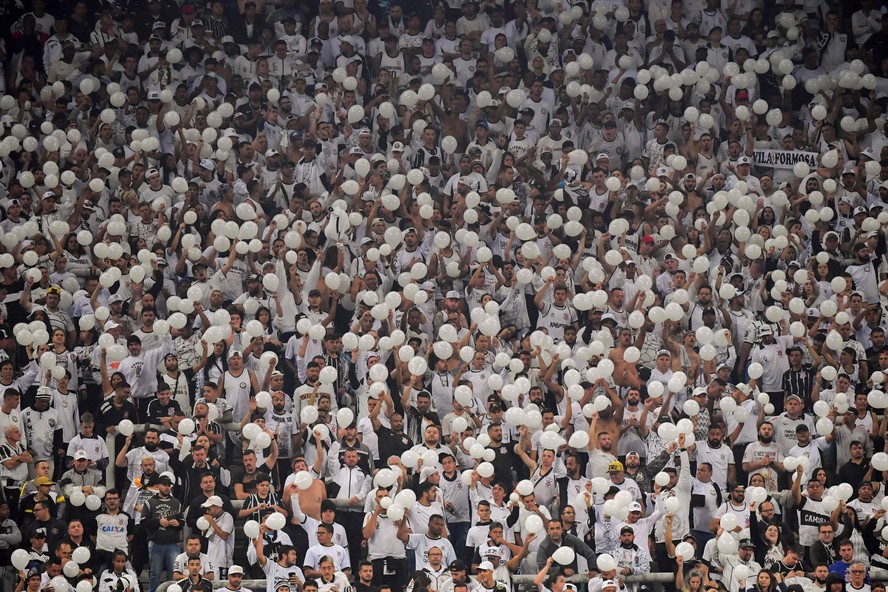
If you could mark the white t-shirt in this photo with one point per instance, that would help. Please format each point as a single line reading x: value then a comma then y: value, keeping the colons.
x: 277, y: 576
x: 421, y: 544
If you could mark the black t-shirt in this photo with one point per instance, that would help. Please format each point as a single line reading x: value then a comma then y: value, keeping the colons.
x: 157, y: 410
x: 391, y: 444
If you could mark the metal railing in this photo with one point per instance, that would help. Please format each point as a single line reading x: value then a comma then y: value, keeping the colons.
x: 518, y: 579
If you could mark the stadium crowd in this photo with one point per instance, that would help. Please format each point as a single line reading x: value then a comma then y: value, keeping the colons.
x: 380, y: 296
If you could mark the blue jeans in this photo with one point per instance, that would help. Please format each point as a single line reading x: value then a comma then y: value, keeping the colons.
x: 458, y: 532
x: 160, y: 557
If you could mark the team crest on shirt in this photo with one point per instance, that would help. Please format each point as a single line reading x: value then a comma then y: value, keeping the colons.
x: 243, y: 385
x: 52, y: 423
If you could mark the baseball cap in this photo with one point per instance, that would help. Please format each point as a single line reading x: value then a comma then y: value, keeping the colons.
x: 79, y: 455
x: 235, y: 570
x: 165, y: 480
x: 490, y: 552
x: 744, y: 160
x: 485, y: 566
x: 615, y: 466
x: 765, y: 330
x: 664, y: 352
x: 773, y: 35
x: 453, y: 294
x: 859, y: 210
x: 398, y: 147
x: 747, y: 544
x: 457, y: 565
x: 796, y: 397
x: 213, y: 500
x: 208, y: 164
x: 42, y: 480
x: 608, y: 584
x: 627, y: 528
x: 634, y: 507
x: 235, y: 353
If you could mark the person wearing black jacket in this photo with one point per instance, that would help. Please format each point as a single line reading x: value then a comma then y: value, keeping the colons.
x: 163, y: 522
x: 208, y: 487
x: 825, y: 549
x: 392, y: 441
x: 558, y: 538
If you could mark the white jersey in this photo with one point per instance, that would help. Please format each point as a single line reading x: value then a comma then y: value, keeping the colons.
x: 237, y: 394
x: 40, y: 429
x: 555, y: 319
x: 69, y: 414
x: 277, y: 577
x: 111, y: 531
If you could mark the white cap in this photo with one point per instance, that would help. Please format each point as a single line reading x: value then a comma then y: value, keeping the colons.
x: 213, y: 500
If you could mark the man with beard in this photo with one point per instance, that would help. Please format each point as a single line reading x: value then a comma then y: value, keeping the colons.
x: 617, y: 476
x: 574, y: 482
x: 504, y: 458
x: 720, y: 457
x: 786, y: 424
x: 558, y: 538
x: 764, y: 457
x: 178, y: 381
x: 421, y: 544
x: 744, y: 556
x: 768, y: 516
x: 706, y: 498
x: 600, y: 457
x: 630, y: 439
x: 864, y: 505
x: 133, y: 458
x: 208, y: 486
x: 280, y: 421
x: 391, y: 441
x: 818, y: 582
x: 631, y: 558
x: 736, y: 505
x: 770, y: 353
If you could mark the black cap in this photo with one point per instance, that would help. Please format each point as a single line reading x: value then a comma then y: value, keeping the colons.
x: 457, y: 565
x: 747, y: 544
x: 165, y: 480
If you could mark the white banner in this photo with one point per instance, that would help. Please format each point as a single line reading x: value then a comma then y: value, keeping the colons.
x: 783, y: 159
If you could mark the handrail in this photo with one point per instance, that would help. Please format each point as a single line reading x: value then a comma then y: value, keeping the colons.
x: 647, y: 578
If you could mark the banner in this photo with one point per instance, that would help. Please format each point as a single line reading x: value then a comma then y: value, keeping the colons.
x: 783, y: 159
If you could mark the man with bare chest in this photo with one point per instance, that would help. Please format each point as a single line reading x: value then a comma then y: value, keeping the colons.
x: 310, y: 498
x: 625, y: 373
